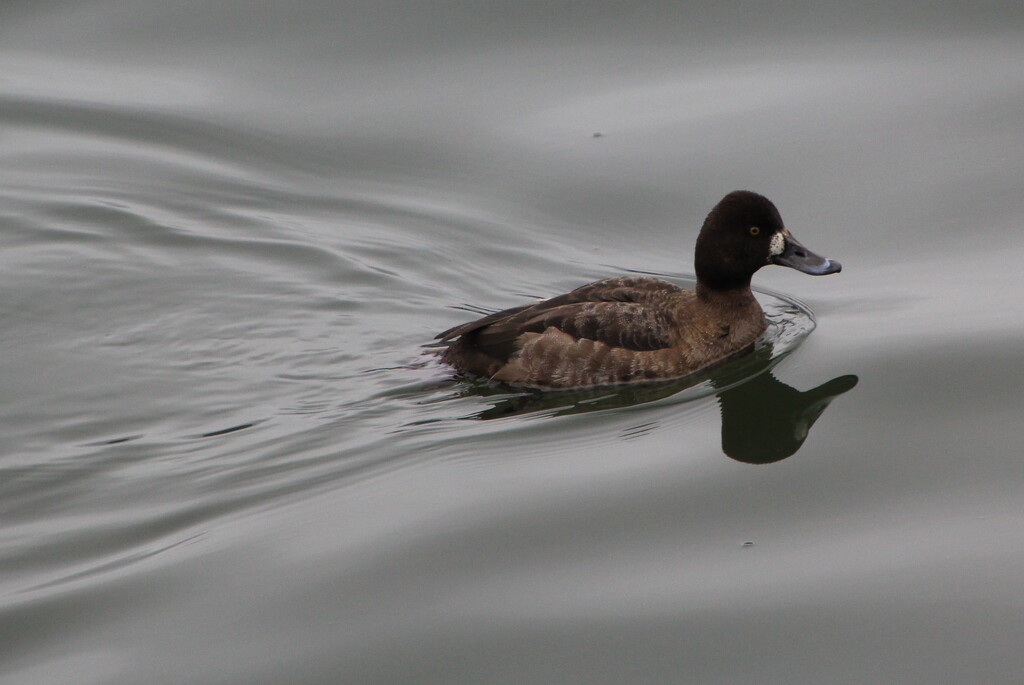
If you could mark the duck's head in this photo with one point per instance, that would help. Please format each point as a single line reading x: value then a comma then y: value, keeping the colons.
x: 744, y: 232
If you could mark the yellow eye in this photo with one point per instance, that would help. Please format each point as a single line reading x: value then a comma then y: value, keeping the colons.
x: 754, y: 230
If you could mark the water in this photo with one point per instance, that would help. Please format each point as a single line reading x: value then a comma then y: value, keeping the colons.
x: 229, y: 232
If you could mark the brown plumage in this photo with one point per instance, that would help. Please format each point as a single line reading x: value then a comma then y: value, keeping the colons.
x: 635, y: 328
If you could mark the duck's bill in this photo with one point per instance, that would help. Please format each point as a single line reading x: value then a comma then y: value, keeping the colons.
x: 798, y: 257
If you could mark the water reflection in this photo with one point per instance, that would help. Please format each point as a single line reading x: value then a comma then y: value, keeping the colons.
x: 763, y: 419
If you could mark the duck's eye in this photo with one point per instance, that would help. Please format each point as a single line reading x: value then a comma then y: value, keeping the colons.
x: 754, y: 230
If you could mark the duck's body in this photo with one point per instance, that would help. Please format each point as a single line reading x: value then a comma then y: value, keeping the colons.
x: 633, y: 328
x: 612, y: 331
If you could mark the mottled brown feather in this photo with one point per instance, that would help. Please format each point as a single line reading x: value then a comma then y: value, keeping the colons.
x: 651, y: 329
x: 622, y: 312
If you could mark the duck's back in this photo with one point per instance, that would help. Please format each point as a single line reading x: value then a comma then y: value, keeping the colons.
x: 611, y: 331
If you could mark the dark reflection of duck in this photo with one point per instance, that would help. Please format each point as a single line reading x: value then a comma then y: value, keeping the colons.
x: 763, y: 419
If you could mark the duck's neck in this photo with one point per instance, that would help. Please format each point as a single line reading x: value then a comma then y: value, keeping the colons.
x: 734, y: 297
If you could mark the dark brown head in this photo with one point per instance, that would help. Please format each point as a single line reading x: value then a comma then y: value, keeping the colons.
x: 743, y: 233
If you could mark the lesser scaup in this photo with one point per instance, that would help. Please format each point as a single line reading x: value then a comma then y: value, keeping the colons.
x: 626, y: 329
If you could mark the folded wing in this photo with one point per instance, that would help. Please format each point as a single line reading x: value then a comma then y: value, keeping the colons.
x: 620, y: 312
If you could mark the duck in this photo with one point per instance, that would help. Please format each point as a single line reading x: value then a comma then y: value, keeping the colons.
x: 633, y: 329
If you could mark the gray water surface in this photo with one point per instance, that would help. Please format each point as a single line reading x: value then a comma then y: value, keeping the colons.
x: 229, y: 232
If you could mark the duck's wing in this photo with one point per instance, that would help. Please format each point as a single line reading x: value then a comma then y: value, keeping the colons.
x: 467, y: 328
x: 630, y: 289
x: 620, y: 312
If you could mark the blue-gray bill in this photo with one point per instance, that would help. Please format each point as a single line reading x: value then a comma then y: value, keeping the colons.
x: 798, y: 257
